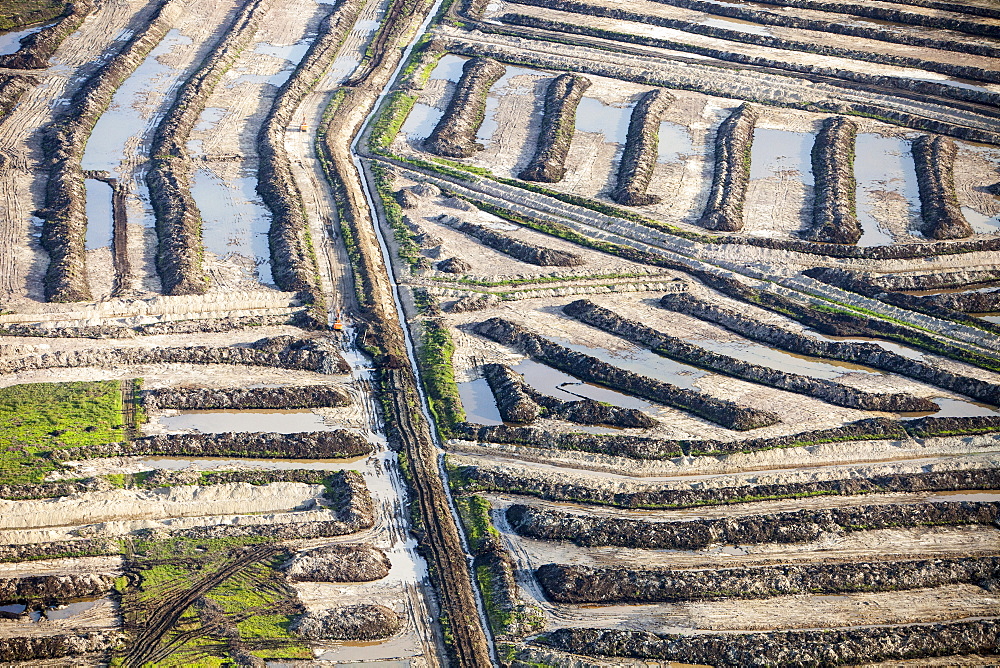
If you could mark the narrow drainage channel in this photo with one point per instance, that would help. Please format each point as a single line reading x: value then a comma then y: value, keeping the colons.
x: 366, y: 187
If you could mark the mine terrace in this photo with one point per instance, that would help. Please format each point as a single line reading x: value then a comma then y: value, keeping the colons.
x: 521, y: 333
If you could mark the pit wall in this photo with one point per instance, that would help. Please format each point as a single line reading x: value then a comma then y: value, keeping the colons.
x: 726, y: 413
x: 934, y: 161
x: 455, y: 134
x: 812, y: 647
x: 852, y: 29
x: 178, y: 222
x: 65, y: 217
x: 11, y: 89
x: 562, y: 97
x: 335, y: 444
x: 641, y: 150
x: 530, y: 253
x: 834, y: 217
x: 293, y: 260
x: 724, y: 209
x: 638, y: 447
x: 37, y: 48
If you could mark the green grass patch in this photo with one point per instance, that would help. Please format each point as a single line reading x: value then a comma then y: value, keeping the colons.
x: 37, y: 418
x: 474, y: 512
x: 438, y: 375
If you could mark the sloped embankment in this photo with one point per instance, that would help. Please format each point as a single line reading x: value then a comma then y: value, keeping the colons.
x: 530, y: 253
x: 641, y: 150
x: 934, y: 161
x: 37, y: 48
x: 834, y: 217
x: 65, y: 217
x: 562, y: 97
x: 293, y: 260
x: 455, y: 134
x: 813, y: 647
x: 724, y: 209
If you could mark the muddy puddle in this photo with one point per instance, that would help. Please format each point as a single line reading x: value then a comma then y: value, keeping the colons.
x: 954, y: 407
x: 886, y: 187
x: 984, y: 496
x: 421, y: 121
x: 565, y: 387
x: 777, y: 153
x: 592, y: 115
x: 234, y: 220
x: 990, y: 317
x: 209, y: 118
x: 675, y: 143
x: 133, y: 106
x: 10, y: 42
x: 478, y: 402
x: 389, y: 653
x: 758, y: 353
x: 55, y: 612
x: 449, y: 68
x: 981, y: 223
x: 891, y: 346
x: 100, y: 219
x: 217, y: 422
x: 643, y: 362
x: 504, y: 86
x: 971, y: 287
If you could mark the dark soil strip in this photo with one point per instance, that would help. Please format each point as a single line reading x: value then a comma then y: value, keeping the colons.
x: 591, y: 369
x: 970, y: 279
x: 959, y: 71
x: 311, y: 356
x: 337, y: 444
x: 641, y: 150
x: 455, y: 134
x: 863, y: 285
x: 799, y: 526
x: 562, y: 97
x: 305, y: 396
x: 293, y: 260
x: 55, y: 587
x: 893, y: 16
x: 815, y: 647
x: 724, y: 210
x: 530, y: 253
x: 583, y: 584
x: 678, y: 349
x: 471, y: 479
x: 876, y: 82
x: 513, y: 401
x: 834, y: 209
x: 38, y: 648
x: 65, y: 217
x: 934, y: 160
x: 178, y: 221
x: 37, y: 48
x: 894, y: 36
x: 864, y: 353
